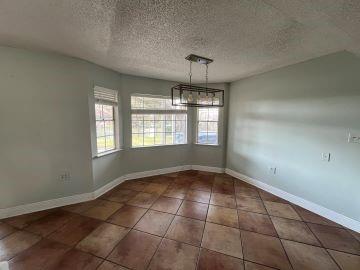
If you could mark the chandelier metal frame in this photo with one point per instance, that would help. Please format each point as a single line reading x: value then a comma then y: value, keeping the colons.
x: 197, y: 96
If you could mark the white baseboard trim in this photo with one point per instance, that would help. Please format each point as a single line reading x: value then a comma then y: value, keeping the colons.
x: 313, y: 207
x: 109, y: 186
x: 207, y: 169
x: 137, y: 175
x: 44, y: 205
x: 49, y: 204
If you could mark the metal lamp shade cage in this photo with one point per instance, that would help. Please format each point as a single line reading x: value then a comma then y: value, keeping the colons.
x: 196, y: 96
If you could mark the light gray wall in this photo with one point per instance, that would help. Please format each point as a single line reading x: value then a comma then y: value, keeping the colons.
x: 288, y: 117
x: 47, y: 127
x: 44, y: 129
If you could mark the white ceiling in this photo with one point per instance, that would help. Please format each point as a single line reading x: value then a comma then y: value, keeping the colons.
x: 151, y: 37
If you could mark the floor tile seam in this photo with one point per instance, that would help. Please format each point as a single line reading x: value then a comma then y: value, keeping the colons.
x: 157, y: 248
x: 326, y: 248
x: 241, y: 240
x: 202, y: 235
x: 281, y: 243
x: 130, y: 229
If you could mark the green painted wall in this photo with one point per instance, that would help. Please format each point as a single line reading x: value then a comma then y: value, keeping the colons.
x: 288, y: 117
x: 47, y: 127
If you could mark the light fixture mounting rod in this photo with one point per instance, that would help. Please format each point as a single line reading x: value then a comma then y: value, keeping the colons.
x: 199, y: 59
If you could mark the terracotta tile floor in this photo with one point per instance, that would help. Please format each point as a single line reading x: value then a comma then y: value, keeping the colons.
x: 187, y: 220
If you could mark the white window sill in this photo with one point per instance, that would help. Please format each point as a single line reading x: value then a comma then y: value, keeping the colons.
x: 156, y: 146
x: 204, y: 144
x: 107, y: 153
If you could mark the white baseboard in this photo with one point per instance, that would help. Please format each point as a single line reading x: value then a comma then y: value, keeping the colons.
x: 207, y: 169
x: 44, y: 205
x: 137, y: 175
x: 109, y: 186
x: 313, y: 207
x: 49, y: 204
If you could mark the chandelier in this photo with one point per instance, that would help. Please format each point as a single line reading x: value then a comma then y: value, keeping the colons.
x: 197, y: 96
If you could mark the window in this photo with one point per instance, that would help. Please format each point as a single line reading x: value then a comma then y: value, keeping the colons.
x: 207, y: 126
x: 106, y: 115
x: 156, y: 122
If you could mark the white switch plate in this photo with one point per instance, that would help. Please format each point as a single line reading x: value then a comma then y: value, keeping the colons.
x: 326, y: 157
x: 272, y: 170
x: 353, y: 138
x: 65, y: 176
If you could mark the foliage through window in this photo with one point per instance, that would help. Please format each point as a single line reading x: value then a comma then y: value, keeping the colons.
x: 106, y: 117
x: 207, y: 126
x: 156, y: 122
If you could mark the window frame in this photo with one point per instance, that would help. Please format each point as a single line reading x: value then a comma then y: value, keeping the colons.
x: 164, y: 112
x: 197, y: 127
x: 115, y: 120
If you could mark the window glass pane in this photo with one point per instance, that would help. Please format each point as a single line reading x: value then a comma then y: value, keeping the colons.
x: 110, y: 144
x: 212, y: 138
x: 212, y: 126
x: 149, y: 126
x: 208, y: 125
x: 100, y: 142
x: 100, y: 128
x: 98, y: 111
x: 180, y: 126
x: 148, y: 117
x: 169, y: 138
x: 108, y: 112
x: 137, y: 102
x: 159, y: 138
x: 168, y: 126
x: 203, y: 115
x: 137, y: 139
x: 202, y: 127
x: 109, y: 128
x: 179, y: 138
x: 154, y: 103
x: 202, y: 137
x: 159, y: 126
x: 149, y: 139
x: 138, y: 117
x: 180, y: 116
x: 137, y: 127
x: 213, y: 114
x: 159, y: 117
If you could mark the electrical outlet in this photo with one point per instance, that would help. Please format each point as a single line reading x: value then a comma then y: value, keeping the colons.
x: 326, y: 157
x: 272, y: 170
x: 353, y: 138
x: 65, y: 176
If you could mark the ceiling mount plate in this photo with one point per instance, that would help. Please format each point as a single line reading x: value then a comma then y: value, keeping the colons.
x: 198, y: 59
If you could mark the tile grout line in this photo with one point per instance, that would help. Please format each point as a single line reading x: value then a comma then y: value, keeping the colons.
x: 322, y: 246
x: 174, y: 216
x: 241, y: 240
x: 287, y: 256
x: 202, y: 235
x: 133, y: 228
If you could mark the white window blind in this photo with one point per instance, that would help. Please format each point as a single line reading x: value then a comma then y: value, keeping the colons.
x: 106, y: 116
x: 103, y: 95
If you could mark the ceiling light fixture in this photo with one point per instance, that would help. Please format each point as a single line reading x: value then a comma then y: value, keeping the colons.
x: 197, y: 96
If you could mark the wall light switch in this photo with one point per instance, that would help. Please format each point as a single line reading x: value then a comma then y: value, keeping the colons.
x: 326, y: 157
x: 353, y: 138
x: 272, y: 170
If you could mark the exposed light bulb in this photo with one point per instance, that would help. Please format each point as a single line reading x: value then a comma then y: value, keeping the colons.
x: 190, y: 97
x: 208, y: 98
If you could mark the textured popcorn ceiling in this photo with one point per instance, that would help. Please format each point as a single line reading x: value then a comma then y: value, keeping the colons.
x: 152, y: 37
